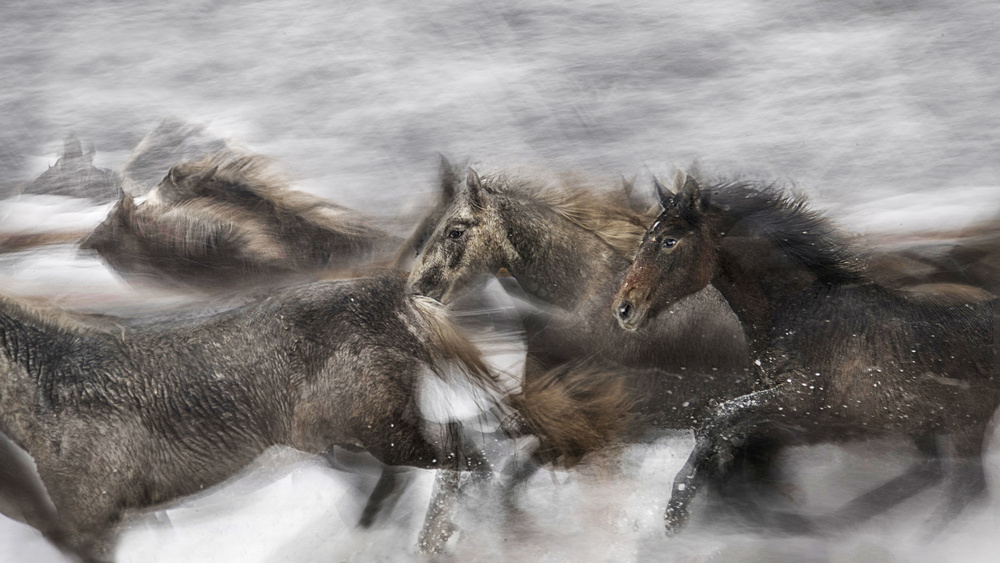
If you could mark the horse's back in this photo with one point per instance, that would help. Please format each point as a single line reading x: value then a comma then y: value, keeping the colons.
x: 887, y: 359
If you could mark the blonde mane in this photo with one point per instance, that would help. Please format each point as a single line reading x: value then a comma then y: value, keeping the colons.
x: 584, y: 203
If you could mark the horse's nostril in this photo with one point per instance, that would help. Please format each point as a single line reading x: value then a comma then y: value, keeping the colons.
x: 624, y: 311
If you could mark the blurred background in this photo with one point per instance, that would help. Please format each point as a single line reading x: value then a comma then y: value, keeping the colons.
x: 886, y: 112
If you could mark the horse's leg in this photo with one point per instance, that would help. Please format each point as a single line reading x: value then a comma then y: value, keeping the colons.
x: 438, y: 525
x: 731, y: 420
x: 919, y: 477
x: 739, y: 487
x: 968, y: 478
x: 387, y: 487
x: 358, y: 462
x: 516, y: 472
x: 23, y: 497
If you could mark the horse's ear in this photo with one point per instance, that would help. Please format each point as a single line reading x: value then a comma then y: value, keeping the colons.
x: 680, y: 180
x: 690, y: 197
x: 174, y: 175
x: 474, y: 187
x: 72, y: 147
x: 449, y: 179
x: 207, y: 175
x: 628, y: 186
x: 663, y: 194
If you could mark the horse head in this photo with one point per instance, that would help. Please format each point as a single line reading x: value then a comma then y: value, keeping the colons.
x: 462, y: 239
x: 677, y: 256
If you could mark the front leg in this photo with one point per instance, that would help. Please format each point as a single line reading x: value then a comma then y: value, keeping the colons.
x: 729, y: 421
x: 438, y: 525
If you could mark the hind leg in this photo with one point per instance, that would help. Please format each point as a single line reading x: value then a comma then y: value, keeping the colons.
x: 383, y: 496
x: 438, y: 524
x: 516, y: 472
x: 450, y: 452
x: 387, y: 489
x: 922, y: 475
x: 967, y: 481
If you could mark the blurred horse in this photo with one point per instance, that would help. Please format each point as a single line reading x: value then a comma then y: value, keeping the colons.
x: 567, y: 241
x: 122, y: 415
x: 229, y: 220
x: 840, y: 355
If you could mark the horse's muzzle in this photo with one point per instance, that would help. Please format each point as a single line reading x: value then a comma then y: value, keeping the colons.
x: 627, y: 315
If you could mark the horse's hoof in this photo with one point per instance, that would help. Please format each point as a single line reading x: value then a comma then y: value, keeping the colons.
x: 675, y: 520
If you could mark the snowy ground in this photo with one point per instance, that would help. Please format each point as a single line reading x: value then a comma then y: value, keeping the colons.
x: 884, y: 112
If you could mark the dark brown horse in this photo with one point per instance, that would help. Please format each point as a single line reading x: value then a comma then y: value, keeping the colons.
x: 840, y: 355
x: 122, y: 415
x: 230, y: 220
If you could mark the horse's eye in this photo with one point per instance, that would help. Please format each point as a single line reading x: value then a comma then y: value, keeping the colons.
x: 455, y: 233
x: 668, y: 243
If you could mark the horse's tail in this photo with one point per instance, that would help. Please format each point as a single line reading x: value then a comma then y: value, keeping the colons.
x: 573, y: 410
x: 447, y: 342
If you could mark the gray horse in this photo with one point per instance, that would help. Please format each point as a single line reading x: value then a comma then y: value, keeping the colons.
x: 125, y: 415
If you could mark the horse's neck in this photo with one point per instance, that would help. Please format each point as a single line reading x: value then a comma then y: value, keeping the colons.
x: 753, y: 293
x: 556, y: 260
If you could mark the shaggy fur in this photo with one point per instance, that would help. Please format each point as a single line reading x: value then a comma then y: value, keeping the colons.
x: 128, y: 417
x: 121, y: 415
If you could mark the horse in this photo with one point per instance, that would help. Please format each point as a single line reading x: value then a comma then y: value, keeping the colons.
x: 841, y: 356
x: 122, y: 415
x: 74, y: 175
x: 229, y: 220
x: 564, y: 243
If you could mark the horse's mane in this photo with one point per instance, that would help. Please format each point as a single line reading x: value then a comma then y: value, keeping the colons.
x: 194, y: 230
x: 583, y: 203
x: 786, y: 220
x: 39, y: 315
x: 252, y: 181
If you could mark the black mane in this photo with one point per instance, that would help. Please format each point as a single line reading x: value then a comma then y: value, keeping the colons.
x: 785, y: 219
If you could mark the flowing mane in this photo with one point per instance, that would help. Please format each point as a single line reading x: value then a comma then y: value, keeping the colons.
x: 204, y: 231
x: 786, y: 220
x: 581, y: 202
x: 251, y: 181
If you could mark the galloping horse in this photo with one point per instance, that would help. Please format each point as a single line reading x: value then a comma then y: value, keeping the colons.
x: 229, y: 219
x: 841, y: 356
x: 125, y: 415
